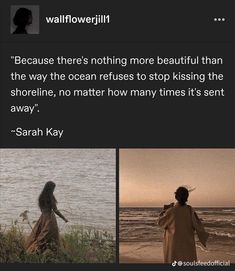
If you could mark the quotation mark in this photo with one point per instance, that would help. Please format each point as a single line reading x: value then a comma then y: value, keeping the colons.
x: 219, y: 19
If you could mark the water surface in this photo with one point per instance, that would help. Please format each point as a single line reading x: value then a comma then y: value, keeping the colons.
x: 85, y: 180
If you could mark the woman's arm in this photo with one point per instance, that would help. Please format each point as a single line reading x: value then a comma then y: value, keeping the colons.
x: 59, y: 213
x: 199, y: 228
x: 164, y: 218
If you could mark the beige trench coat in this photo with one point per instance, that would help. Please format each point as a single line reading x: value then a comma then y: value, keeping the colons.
x: 180, y: 224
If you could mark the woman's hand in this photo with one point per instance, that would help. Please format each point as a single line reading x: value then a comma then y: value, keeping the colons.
x: 167, y: 206
x: 66, y: 220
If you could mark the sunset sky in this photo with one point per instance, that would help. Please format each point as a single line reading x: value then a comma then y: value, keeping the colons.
x: 149, y: 177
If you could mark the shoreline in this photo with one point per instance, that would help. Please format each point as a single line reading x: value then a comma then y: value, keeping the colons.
x: 152, y: 252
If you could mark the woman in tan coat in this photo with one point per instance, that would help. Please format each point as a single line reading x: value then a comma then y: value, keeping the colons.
x: 180, y: 222
x: 45, y: 234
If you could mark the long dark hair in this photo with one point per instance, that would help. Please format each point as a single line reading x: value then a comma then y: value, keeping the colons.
x: 23, y: 17
x: 46, y: 199
x: 181, y: 195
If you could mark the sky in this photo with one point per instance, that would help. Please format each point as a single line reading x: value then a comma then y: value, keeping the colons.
x: 149, y: 177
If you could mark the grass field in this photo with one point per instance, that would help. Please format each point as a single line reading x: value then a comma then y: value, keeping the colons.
x: 78, y: 245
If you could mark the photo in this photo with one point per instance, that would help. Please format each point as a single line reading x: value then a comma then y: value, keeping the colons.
x: 177, y: 205
x: 24, y: 19
x: 58, y: 205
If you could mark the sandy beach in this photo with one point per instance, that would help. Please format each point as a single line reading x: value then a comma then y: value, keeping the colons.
x: 151, y: 252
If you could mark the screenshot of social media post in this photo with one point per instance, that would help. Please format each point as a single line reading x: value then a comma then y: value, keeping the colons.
x: 117, y: 135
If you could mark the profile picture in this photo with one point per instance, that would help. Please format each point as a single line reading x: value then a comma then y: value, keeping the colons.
x: 24, y: 19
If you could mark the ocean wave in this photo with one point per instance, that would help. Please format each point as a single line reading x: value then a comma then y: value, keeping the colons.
x: 229, y: 253
x: 135, y: 224
x: 140, y: 239
x: 228, y: 210
x: 220, y: 223
x: 223, y: 213
x: 139, y: 215
x: 138, y: 225
x: 140, y: 234
x: 222, y: 235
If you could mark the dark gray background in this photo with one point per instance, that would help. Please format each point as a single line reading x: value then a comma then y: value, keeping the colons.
x: 121, y: 122
x: 131, y: 21
x: 143, y: 28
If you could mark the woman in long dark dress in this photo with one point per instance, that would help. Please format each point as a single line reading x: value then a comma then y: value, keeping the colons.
x: 45, y: 234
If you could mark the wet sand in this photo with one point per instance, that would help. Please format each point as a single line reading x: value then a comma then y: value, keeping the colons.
x: 151, y: 252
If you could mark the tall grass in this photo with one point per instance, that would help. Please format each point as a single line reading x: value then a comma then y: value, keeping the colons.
x: 78, y: 245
